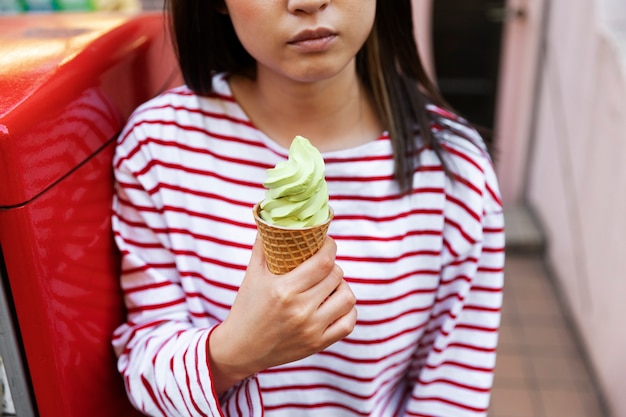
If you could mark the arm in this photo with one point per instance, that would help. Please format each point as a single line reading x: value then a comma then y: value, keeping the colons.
x: 173, y: 367
x: 453, y: 367
x: 162, y: 357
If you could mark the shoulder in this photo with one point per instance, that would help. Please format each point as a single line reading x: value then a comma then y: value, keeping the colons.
x: 468, y: 160
x: 454, y: 131
x: 461, y: 143
x: 473, y: 204
x: 177, y: 102
x: 181, y: 110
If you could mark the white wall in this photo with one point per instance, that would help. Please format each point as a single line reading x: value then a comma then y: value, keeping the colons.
x: 577, y: 179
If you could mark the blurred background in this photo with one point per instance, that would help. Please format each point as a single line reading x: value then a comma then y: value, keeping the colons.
x: 547, y: 79
x: 546, y: 82
x: 42, y: 6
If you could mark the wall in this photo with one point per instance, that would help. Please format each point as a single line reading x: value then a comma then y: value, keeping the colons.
x: 577, y: 177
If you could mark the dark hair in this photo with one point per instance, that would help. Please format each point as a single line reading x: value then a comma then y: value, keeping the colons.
x: 388, y: 65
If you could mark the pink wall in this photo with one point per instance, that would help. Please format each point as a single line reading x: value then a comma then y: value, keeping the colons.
x: 577, y: 181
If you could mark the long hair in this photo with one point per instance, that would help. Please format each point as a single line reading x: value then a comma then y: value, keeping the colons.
x: 388, y: 65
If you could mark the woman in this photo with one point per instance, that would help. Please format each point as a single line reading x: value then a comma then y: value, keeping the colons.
x: 397, y: 314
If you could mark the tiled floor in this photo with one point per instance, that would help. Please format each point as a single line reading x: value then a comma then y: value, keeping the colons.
x: 540, y: 371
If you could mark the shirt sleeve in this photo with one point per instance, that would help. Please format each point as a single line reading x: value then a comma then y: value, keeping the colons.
x: 452, y: 371
x: 162, y: 357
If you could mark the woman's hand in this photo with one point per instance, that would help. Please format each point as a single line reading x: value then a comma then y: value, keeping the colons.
x: 276, y: 319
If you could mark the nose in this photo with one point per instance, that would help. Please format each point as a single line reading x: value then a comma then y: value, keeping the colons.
x: 308, y: 6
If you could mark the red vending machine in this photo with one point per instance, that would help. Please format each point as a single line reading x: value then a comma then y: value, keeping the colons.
x: 68, y: 82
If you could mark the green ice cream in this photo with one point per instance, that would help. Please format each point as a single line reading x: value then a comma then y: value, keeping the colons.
x: 297, y: 194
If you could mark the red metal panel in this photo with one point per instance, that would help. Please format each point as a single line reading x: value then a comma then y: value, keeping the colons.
x: 67, y: 84
x: 48, y: 62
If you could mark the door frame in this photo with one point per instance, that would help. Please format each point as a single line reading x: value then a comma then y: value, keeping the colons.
x: 422, y: 22
x: 520, y: 59
x: 520, y: 63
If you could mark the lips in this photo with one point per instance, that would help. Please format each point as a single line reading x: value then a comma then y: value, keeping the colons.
x: 312, y: 35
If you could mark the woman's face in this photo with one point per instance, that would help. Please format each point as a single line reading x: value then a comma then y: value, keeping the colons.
x: 302, y: 40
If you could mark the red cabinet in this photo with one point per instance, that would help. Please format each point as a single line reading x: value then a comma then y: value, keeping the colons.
x: 67, y: 84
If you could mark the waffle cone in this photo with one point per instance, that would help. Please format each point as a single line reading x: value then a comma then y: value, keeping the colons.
x: 285, y: 248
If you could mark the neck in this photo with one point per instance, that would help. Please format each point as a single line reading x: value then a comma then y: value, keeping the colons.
x: 333, y: 114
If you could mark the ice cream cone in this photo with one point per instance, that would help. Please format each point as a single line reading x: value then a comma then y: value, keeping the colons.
x: 285, y: 248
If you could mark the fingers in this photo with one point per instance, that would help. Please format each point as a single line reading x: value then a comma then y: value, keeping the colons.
x: 314, y: 270
x: 341, y: 327
x: 339, y: 303
x: 312, y: 305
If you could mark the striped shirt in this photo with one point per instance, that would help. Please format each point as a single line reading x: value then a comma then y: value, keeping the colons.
x: 426, y: 268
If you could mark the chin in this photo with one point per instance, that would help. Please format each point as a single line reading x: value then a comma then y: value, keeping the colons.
x: 321, y: 73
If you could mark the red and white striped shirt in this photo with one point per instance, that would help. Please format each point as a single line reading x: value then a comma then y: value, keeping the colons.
x: 427, y: 269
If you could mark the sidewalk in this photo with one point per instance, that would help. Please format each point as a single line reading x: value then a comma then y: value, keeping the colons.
x: 540, y: 370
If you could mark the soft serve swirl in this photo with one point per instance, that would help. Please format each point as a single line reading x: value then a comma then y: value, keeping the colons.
x: 297, y: 193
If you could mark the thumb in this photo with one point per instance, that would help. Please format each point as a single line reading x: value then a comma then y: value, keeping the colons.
x: 257, y: 257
